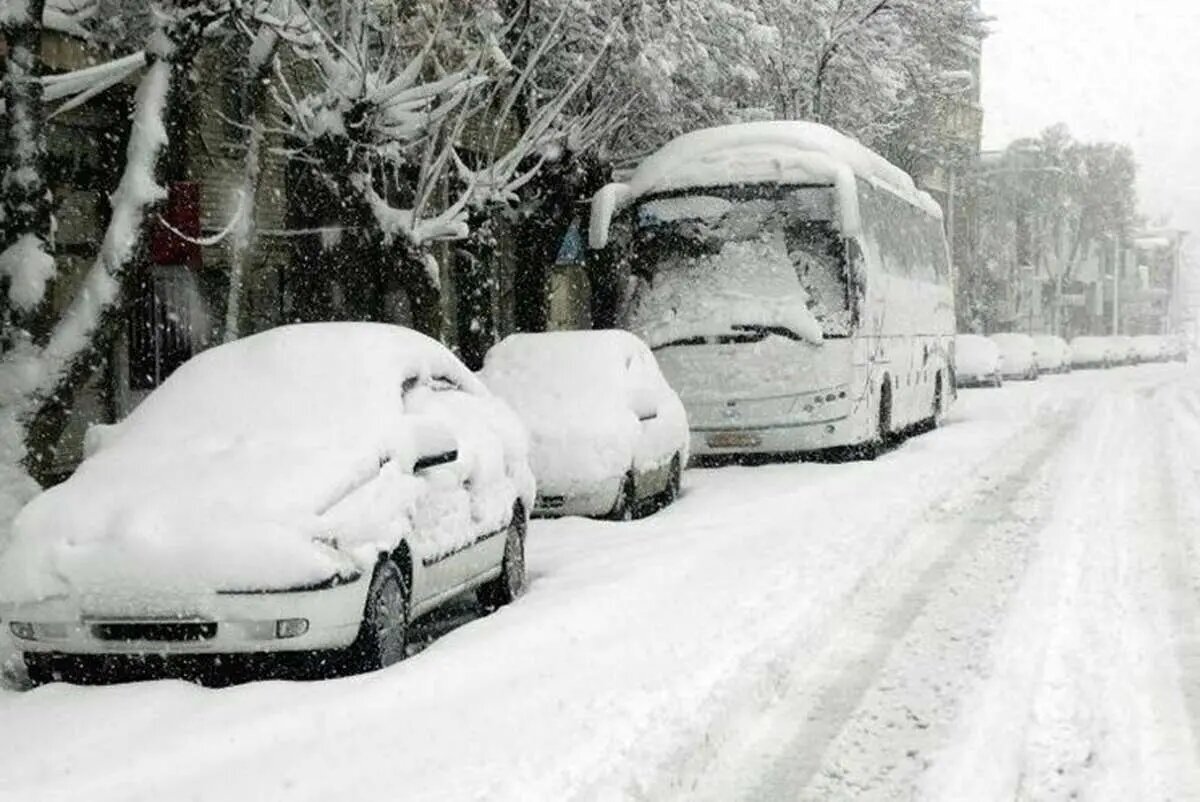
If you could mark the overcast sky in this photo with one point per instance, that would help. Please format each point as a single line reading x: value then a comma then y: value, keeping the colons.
x: 1119, y: 70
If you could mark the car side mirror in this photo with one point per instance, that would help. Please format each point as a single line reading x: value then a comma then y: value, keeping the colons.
x: 645, y: 404
x: 434, y: 444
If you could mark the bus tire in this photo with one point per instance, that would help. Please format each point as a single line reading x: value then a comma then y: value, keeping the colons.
x: 884, y: 421
x: 881, y: 437
x: 939, y: 403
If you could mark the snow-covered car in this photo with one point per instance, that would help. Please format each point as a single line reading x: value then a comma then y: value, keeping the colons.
x: 1091, y: 352
x: 1151, y: 348
x: 976, y: 361
x: 1177, y: 348
x: 1124, y: 350
x: 307, y: 490
x: 608, y: 435
x: 1018, y: 355
x: 1053, y: 354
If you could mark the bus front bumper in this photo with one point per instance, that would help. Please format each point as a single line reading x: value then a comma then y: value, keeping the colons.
x: 797, y: 438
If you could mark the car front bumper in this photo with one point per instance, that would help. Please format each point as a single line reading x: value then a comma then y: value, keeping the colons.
x: 214, y: 624
x: 596, y: 500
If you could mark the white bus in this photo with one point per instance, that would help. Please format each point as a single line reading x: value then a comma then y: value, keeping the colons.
x: 794, y: 286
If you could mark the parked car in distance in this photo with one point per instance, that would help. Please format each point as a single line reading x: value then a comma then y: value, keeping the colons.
x: 1018, y: 355
x: 1091, y: 352
x: 1151, y: 348
x: 976, y: 361
x: 1053, y: 354
x: 307, y: 491
x: 608, y: 435
x: 1177, y: 348
x: 1124, y: 350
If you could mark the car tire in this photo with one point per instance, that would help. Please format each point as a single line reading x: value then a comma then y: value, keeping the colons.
x: 383, y: 635
x: 505, y: 588
x: 674, y: 486
x: 883, y: 422
x: 625, y: 508
x: 40, y: 669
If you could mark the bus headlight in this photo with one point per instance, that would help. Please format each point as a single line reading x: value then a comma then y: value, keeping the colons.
x: 22, y: 630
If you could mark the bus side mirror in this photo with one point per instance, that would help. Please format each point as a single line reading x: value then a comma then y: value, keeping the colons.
x: 605, y: 205
x: 856, y: 275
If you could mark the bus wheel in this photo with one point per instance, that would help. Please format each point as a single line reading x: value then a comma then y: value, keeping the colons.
x: 884, y: 433
x: 939, y: 404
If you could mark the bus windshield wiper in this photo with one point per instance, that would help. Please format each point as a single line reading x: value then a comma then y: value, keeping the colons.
x: 778, y: 331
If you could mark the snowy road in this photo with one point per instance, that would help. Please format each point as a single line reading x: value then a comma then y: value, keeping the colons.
x: 1003, y: 609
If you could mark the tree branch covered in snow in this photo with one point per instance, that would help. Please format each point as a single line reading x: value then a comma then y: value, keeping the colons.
x: 37, y: 381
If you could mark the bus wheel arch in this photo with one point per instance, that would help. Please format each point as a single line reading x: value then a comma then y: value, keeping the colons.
x: 883, y: 417
x: 939, y: 400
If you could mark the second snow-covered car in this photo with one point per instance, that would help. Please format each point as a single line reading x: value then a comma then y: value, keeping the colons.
x: 306, y: 490
x: 1018, y: 355
x: 1091, y: 352
x: 1151, y: 348
x: 976, y: 361
x: 1053, y: 354
x: 608, y: 434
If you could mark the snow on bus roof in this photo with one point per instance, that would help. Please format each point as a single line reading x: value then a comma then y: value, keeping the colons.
x: 770, y: 152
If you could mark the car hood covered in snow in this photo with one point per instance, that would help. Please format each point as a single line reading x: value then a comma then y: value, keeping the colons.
x: 243, y: 516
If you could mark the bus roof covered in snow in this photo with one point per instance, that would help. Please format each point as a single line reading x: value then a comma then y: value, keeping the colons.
x: 779, y: 152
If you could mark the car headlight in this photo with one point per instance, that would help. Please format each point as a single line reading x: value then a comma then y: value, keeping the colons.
x: 22, y: 630
x: 290, y: 627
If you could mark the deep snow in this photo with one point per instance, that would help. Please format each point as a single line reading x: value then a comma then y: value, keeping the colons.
x: 1000, y: 609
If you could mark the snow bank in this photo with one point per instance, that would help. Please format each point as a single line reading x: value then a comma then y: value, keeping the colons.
x: 578, y: 393
x: 229, y: 475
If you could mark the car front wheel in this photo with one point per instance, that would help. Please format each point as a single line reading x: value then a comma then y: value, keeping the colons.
x: 509, y: 585
x: 626, y: 507
x: 674, y: 486
x: 383, y: 636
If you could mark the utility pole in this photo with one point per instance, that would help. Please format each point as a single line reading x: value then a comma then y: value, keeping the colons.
x: 1118, y: 269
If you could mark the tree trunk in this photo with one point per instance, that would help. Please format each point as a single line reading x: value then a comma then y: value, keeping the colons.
x: 241, y: 240
x: 83, y: 339
x: 25, y: 202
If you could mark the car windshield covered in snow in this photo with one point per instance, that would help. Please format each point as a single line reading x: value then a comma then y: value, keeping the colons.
x: 738, y: 264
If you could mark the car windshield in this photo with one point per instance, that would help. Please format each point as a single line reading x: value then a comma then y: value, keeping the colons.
x: 735, y: 265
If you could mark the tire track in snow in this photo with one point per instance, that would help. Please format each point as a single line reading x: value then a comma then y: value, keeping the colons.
x: 1182, y: 559
x: 1084, y: 698
x: 783, y: 750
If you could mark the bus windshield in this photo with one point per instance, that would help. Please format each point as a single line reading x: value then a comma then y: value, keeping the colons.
x: 733, y: 265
